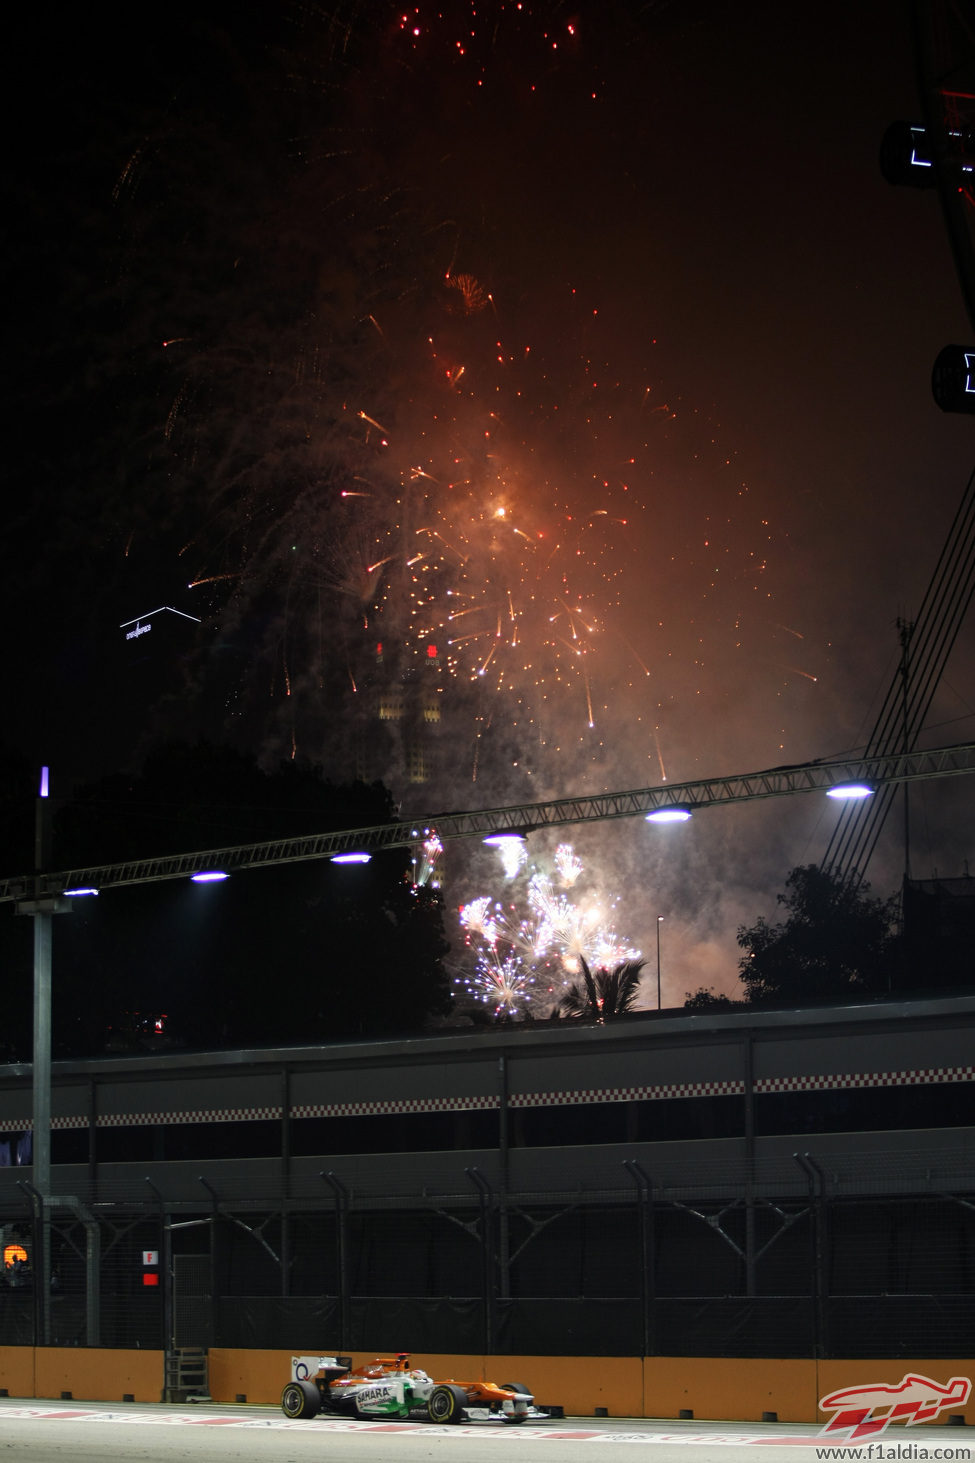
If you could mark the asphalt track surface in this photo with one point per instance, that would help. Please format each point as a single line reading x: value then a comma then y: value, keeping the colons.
x: 94, y: 1432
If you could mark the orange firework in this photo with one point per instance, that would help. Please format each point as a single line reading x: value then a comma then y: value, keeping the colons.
x: 472, y: 297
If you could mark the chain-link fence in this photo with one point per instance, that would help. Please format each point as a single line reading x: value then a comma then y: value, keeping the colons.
x: 798, y: 1257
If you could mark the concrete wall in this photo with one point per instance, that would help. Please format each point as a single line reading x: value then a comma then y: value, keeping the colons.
x: 719, y: 1388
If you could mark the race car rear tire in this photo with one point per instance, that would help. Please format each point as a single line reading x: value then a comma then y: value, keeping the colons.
x: 446, y: 1403
x: 300, y: 1399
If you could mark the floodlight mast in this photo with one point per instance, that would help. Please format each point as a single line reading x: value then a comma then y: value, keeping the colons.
x: 876, y: 771
x: 42, y: 907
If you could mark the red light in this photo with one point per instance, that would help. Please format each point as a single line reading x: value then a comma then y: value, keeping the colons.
x: 150, y: 1277
x: 431, y: 652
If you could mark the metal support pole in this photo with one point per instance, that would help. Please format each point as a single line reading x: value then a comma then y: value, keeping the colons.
x: 285, y: 1261
x: 92, y: 1124
x: 41, y: 910
x: 659, y: 923
x: 36, y: 1210
x: 41, y: 1135
x: 487, y: 1247
x: 285, y: 1181
x: 212, y: 1318
x: 648, y: 1286
x: 93, y: 1277
x: 504, y: 1244
x: 93, y: 1260
x: 749, y: 1075
x: 342, y: 1280
x: 166, y: 1251
x: 816, y: 1180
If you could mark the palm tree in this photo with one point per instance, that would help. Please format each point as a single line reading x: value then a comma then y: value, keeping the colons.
x: 603, y: 994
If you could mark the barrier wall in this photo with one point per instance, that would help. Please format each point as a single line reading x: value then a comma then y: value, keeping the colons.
x: 90, y: 1374
x: 718, y: 1388
x: 728, y: 1388
x: 579, y: 1384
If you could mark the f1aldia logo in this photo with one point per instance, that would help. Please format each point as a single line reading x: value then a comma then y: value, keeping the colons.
x: 862, y: 1412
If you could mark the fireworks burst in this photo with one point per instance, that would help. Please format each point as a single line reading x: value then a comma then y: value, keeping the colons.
x: 425, y: 861
x: 568, y: 865
x: 526, y: 951
x: 502, y: 982
x: 436, y: 504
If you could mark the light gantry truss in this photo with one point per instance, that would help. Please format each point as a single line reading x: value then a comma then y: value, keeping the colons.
x: 521, y: 818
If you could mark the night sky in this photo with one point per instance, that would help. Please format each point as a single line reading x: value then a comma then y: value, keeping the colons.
x: 584, y: 343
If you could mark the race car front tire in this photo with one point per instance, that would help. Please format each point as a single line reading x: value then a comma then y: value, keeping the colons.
x: 516, y: 1387
x: 300, y: 1399
x: 446, y: 1403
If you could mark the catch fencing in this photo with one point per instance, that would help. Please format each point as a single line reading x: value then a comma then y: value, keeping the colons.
x: 800, y: 1256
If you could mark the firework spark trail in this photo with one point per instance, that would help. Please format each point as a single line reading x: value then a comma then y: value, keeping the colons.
x: 468, y: 491
x: 568, y: 865
x: 476, y: 917
x: 212, y: 579
x: 660, y: 757
x: 425, y: 863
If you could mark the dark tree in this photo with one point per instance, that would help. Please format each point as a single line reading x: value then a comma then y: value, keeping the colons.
x: 604, y: 994
x: 706, y: 999
x: 835, y: 942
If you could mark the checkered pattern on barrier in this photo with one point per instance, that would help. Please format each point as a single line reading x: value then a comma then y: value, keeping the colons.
x: 919, y: 1077
x: 188, y: 1115
x: 384, y: 1106
x: 149, y: 1119
x: 626, y: 1094
x: 818, y: 1082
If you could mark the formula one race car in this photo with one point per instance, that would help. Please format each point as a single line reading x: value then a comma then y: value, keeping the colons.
x: 391, y: 1387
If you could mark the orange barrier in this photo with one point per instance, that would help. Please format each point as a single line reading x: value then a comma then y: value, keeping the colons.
x: 580, y: 1384
x: 91, y: 1374
x: 723, y: 1387
x: 17, y: 1370
x: 714, y: 1388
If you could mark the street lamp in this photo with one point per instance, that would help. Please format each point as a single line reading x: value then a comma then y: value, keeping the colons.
x: 512, y: 846
x: 660, y: 920
x: 669, y: 815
